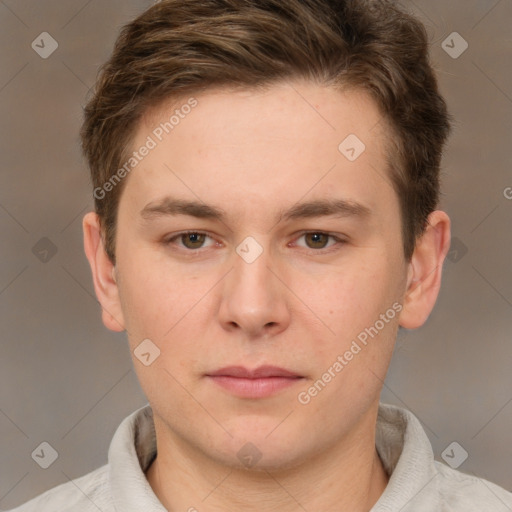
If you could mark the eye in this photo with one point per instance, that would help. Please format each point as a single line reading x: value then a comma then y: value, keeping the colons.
x: 190, y: 240
x: 318, y: 240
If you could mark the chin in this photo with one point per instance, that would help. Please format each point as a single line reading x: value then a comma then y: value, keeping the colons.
x: 259, y: 458
x: 260, y: 449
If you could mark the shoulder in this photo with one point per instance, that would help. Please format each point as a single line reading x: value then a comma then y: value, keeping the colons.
x: 460, y: 491
x: 88, y: 493
x: 419, y: 483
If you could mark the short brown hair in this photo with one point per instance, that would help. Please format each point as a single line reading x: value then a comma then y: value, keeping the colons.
x: 181, y: 47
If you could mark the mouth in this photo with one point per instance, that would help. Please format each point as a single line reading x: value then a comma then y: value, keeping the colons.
x: 260, y: 382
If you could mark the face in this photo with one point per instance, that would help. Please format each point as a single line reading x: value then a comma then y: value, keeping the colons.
x: 248, y: 238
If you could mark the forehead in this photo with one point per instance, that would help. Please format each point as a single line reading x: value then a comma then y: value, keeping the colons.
x: 289, y: 140
x: 270, y: 111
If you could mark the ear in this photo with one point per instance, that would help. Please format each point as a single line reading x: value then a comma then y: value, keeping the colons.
x: 424, y: 273
x: 103, y: 274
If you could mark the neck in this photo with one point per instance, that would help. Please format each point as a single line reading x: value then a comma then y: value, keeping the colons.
x: 349, y: 476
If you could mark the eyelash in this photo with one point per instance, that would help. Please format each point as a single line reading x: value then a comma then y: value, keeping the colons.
x: 339, y: 241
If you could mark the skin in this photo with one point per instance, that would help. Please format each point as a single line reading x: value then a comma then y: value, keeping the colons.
x: 298, y: 306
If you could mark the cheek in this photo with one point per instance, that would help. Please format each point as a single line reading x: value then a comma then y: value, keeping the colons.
x: 357, y: 306
x: 155, y: 297
x: 174, y: 312
x: 348, y: 298
x: 351, y: 365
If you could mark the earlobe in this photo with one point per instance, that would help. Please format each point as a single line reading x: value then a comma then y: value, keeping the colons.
x: 103, y: 274
x: 425, y: 270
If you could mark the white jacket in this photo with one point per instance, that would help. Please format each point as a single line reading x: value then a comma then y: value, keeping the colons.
x: 417, y: 482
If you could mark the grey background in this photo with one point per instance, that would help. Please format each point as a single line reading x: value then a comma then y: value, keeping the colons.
x: 66, y: 380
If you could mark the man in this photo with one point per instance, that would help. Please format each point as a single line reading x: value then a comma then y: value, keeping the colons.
x: 266, y: 177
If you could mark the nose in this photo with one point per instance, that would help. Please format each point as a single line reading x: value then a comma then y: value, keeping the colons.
x: 254, y: 301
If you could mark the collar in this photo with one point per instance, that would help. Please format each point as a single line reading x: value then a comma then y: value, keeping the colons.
x: 407, y: 456
x: 401, y: 442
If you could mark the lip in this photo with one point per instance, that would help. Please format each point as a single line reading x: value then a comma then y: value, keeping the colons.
x: 260, y: 382
x: 258, y: 373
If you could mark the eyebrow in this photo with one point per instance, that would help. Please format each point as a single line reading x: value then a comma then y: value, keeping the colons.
x: 311, y: 209
x: 171, y: 206
x: 325, y: 208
